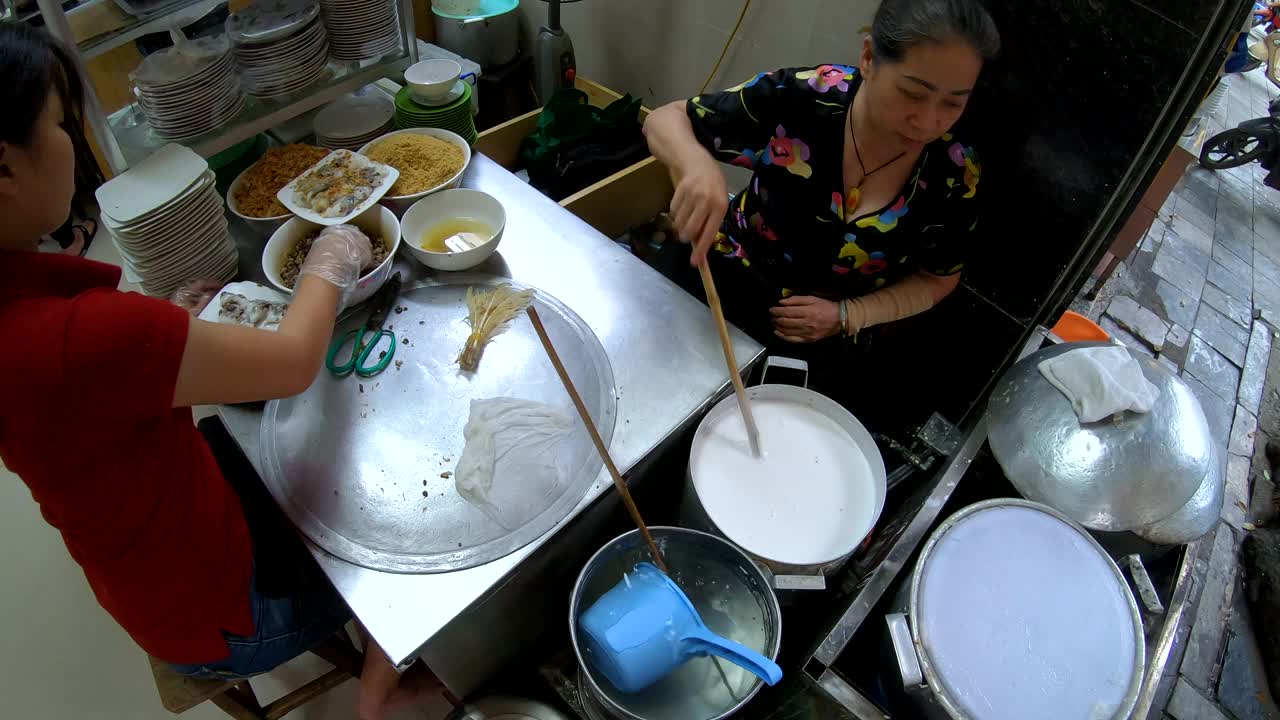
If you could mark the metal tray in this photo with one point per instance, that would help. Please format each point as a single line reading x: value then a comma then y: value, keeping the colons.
x: 350, y: 459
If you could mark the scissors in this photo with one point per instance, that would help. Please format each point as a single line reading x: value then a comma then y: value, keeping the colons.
x: 372, y: 332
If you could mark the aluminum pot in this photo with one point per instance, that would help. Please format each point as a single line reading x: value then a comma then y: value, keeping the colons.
x: 1118, y: 474
x: 1014, y: 610
x: 489, y: 32
x: 731, y: 594
x: 870, y: 479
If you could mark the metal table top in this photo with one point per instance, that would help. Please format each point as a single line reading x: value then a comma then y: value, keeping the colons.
x: 667, y: 366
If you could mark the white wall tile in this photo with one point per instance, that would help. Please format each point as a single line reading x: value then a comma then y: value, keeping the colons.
x: 662, y: 50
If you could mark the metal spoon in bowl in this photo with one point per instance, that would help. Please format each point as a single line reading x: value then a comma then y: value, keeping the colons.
x: 464, y: 241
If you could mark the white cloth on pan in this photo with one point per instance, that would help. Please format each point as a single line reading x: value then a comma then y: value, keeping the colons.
x: 509, y: 466
x: 1100, y: 382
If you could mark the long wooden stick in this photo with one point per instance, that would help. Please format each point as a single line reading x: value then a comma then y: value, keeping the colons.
x: 618, y: 482
x: 713, y: 300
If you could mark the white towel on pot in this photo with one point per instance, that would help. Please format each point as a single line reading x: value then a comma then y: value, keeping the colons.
x: 1100, y: 382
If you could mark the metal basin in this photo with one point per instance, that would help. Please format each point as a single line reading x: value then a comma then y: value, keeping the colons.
x: 1118, y: 474
x: 730, y: 593
x: 1194, y: 519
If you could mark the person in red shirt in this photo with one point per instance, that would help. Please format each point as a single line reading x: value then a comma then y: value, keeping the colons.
x: 200, y: 575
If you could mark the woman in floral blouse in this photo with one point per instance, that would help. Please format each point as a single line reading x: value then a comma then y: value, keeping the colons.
x: 862, y: 203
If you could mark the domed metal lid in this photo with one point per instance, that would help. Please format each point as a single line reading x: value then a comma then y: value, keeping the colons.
x: 1117, y: 474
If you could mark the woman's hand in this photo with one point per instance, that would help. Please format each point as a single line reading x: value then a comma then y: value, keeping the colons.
x: 701, y: 198
x: 195, y: 295
x: 338, y: 255
x: 804, y: 318
x: 233, y: 364
x: 698, y: 207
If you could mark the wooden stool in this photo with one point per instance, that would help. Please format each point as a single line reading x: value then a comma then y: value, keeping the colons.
x: 179, y: 693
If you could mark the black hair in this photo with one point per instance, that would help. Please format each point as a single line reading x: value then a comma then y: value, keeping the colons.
x: 900, y: 25
x: 33, y: 64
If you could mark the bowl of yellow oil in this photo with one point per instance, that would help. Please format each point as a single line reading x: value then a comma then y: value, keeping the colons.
x: 454, y: 229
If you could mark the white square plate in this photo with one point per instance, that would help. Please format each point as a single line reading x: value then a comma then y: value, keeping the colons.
x: 151, y: 184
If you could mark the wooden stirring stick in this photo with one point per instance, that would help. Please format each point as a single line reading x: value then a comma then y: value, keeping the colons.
x: 618, y: 482
x: 713, y: 300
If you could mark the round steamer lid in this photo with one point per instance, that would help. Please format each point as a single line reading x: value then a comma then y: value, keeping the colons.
x: 1020, y: 614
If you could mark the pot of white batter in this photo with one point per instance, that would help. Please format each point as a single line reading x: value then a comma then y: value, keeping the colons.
x: 807, y: 501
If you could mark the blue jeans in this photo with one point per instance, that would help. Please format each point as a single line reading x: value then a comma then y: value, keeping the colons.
x: 284, y: 628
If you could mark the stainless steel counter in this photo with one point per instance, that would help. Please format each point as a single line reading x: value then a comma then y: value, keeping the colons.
x: 667, y: 366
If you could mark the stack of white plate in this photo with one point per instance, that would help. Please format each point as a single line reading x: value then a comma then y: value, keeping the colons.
x: 355, y: 119
x: 280, y: 46
x: 188, y: 89
x: 166, y: 218
x: 361, y: 29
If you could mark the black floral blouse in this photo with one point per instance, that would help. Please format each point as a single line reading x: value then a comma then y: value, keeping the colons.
x: 790, y: 227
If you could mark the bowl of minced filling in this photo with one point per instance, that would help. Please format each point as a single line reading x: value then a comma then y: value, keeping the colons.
x: 252, y: 196
x: 287, y: 248
x: 429, y: 160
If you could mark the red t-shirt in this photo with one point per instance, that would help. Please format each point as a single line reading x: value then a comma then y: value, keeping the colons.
x: 87, y: 422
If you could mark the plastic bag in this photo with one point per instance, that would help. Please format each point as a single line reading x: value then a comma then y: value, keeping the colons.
x: 509, y: 467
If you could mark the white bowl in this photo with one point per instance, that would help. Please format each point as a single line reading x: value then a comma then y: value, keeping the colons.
x: 431, y: 80
x: 400, y: 204
x: 261, y: 226
x: 434, y: 209
x: 376, y: 220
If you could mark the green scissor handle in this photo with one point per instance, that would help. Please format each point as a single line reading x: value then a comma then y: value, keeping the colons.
x: 364, y: 369
x: 363, y: 344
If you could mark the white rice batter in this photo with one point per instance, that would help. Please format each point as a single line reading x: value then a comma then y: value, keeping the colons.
x: 809, y: 498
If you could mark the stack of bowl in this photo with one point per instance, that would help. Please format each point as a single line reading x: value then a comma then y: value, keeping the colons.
x: 280, y: 47
x: 188, y: 89
x: 354, y: 120
x: 361, y: 29
x: 436, y: 96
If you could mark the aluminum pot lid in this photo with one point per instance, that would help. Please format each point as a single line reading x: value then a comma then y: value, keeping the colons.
x: 1116, y: 474
x: 1019, y: 613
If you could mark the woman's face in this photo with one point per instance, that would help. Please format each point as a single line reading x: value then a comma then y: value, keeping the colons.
x: 914, y: 101
x: 37, y: 180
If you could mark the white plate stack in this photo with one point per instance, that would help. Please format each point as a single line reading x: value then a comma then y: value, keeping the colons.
x: 166, y: 218
x: 361, y: 29
x: 188, y: 89
x: 354, y: 120
x: 280, y: 46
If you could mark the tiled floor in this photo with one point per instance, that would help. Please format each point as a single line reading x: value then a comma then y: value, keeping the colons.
x: 66, y: 659
x: 1209, y: 268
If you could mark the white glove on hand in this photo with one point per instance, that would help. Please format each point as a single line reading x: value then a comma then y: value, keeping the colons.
x: 338, y: 256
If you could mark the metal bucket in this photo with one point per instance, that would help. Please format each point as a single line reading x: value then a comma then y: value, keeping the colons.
x: 484, y: 31
x: 790, y: 575
x: 731, y: 594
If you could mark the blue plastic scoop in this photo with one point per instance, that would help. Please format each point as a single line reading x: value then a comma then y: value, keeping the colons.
x: 645, y: 627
